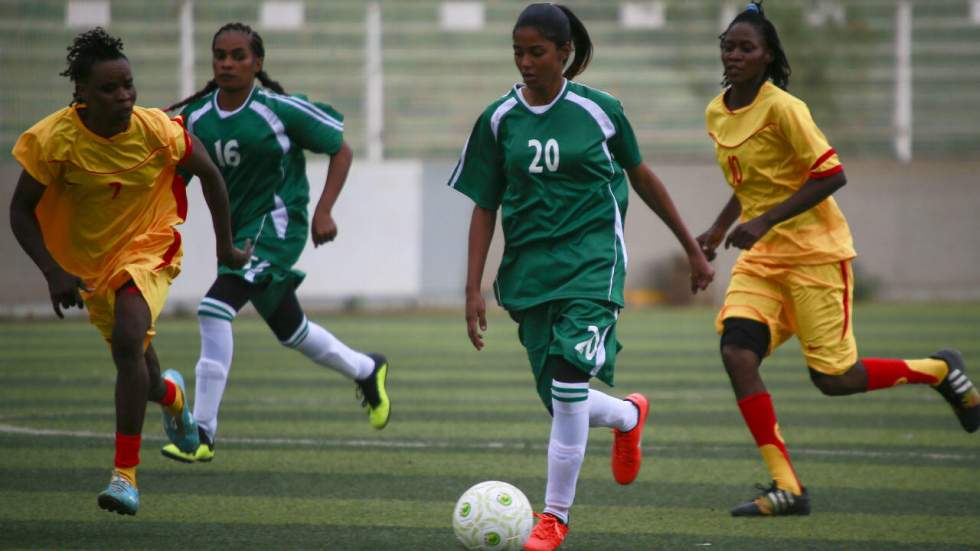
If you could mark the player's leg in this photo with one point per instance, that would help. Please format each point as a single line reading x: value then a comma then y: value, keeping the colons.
x: 129, y: 333
x: 752, y: 323
x: 827, y: 339
x: 744, y: 343
x: 369, y: 371
x: 215, y: 314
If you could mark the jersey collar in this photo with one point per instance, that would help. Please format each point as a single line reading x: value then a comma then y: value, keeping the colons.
x: 539, y: 109
x: 225, y: 114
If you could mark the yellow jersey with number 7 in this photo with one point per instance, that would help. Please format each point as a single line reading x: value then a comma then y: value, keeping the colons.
x: 767, y: 151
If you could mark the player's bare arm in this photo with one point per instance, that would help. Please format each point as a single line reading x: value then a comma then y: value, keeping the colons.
x: 744, y: 236
x: 324, y: 229
x: 482, y: 225
x: 62, y: 286
x: 216, y: 196
x: 653, y: 192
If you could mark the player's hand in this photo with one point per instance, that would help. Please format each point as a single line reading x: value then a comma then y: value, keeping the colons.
x: 476, y: 318
x: 63, y: 288
x: 702, y: 273
x: 323, y: 229
x: 709, y: 241
x: 744, y: 236
x: 234, y: 257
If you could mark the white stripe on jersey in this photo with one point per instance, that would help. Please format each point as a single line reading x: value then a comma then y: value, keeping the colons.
x: 280, y: 217
x: 600, y: 117
x: 274, y: 122
x: 459, y: 165
x: 308, y: 108
x: 195, y: 115
x: 620, y: 241
x: 499, y: 113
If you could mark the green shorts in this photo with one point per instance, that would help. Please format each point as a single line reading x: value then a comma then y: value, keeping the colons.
x: 276, y: 247
x: 580, y: 331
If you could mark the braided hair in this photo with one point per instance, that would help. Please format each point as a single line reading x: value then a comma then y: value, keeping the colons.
x: 86, y: 50
x: 558, y: 24
x: 258, y: 50
x: 778, y: 69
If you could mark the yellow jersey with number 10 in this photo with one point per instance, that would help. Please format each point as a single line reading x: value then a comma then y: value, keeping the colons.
x: 767, y: 151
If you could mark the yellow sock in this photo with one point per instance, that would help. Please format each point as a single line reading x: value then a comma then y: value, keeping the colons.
x: 931, y: 367
x: 129, y: 473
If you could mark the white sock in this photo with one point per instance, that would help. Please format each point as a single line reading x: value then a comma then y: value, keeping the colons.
x: 217, y: 346
x: 566, y: 448
x: 319, y: 345
x: 606, y: 411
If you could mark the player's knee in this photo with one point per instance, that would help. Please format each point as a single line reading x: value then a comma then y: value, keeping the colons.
x: 127, y: 343
x: 744, y: 342
x: 829, y: 385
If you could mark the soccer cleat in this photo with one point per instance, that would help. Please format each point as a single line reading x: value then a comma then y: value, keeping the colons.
x: 626, y: 451
x: 120, y: 497
x: 374, y: 397
x: 548, y: 534
x: 181, y: 430
x: 204, y: 453
x: 958, y: 390
x: 774, y: 502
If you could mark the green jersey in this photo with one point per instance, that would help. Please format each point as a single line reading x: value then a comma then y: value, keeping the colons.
x: 259, y: 150
x: 556, y: 173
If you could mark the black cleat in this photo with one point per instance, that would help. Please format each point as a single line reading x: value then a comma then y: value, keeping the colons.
x: 958, y: 390
x: 774, y: 502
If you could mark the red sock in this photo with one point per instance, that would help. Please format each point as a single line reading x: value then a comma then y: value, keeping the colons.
x: 127, y: 450
x: 170, y: 395
x: 760, y: 416
x: 886, y: 372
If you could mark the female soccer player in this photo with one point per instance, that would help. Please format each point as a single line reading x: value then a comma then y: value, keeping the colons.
x: 794, y: 274
x: 257, y: 137
x: 95, y: 208
x: 553, y: 156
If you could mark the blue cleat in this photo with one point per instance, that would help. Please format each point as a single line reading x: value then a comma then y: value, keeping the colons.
x: 182, y: 430
x: 120, y: 497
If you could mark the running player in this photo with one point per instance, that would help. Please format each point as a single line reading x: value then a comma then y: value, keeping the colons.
x: 256, y: 135
x: 553, y: 155
x: 794, y: 274
x: 95, y: 208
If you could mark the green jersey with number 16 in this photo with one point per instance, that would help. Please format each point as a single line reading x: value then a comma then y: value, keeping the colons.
x: 556, y: 173
x: 259, y: 150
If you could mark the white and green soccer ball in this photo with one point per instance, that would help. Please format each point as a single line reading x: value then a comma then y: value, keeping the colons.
x: 492, y: 515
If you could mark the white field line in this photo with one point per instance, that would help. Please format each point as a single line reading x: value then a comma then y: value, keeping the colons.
x: 490, y: 445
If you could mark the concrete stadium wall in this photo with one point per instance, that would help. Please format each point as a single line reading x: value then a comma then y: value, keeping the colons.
x: 402, y: 236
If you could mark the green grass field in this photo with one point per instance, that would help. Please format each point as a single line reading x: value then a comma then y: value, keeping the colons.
x: 299, y: 467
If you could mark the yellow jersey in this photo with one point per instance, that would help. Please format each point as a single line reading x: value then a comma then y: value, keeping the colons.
x: 767, y: 151
x: 110, y: 203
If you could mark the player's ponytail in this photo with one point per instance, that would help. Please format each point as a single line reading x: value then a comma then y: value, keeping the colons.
x: 778, y: 69
x: 560, y: 25
x: 255, y: 44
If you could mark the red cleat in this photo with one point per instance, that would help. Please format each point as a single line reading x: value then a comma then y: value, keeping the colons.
x: 548, y: 534
x: 626, y: 452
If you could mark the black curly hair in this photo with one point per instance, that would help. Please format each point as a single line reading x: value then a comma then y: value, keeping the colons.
x: 258, y: 50
x: 86, y: 50
x: 778, y: 69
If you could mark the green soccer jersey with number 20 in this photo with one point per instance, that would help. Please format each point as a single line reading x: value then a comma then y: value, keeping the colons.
x: 556, y: 173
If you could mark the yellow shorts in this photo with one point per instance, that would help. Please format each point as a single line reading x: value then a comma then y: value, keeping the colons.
x: 152, y: 282
x: 811, y: 302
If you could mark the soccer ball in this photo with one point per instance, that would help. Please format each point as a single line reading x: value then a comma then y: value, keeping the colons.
x: 492, y: 515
